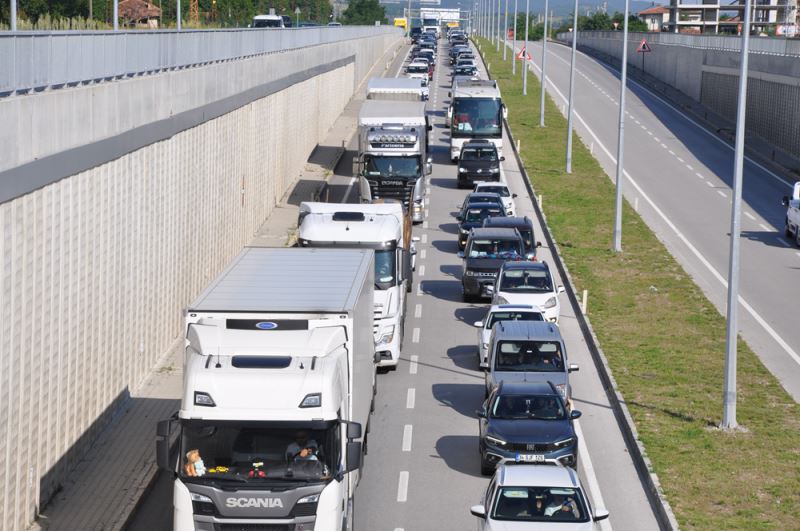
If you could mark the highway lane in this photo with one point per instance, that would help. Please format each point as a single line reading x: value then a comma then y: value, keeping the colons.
x: 422, y: 471
x: 679, y: 175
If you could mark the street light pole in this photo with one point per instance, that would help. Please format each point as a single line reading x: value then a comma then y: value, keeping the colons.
x: 572, y: 86
x: 544, y: 66
x: 505, y: 32
x: 177, y: 14
x: 13, y: 15
x: 514, y: 43
x: 731, y: 334
x: 116, y: 15
x: 621, y: 134
x: 525, y: 49
x: 498, y: 25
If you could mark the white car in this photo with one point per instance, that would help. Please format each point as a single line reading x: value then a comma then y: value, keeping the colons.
x: 500, y: 189
x: 528, y: 283
x: 546, y: 496
x: 792, y: 227
x: 502, y: 312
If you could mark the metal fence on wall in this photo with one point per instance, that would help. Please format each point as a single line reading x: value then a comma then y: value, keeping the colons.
x: 37, y: 60
x: 762, y: 45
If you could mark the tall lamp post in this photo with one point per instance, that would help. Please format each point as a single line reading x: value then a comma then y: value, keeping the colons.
x: 572, y: 86
x: 544, y: 66
x: 525, y: 49
x: 514, y: 43
x: 621, y: 134
x: 505, y: 32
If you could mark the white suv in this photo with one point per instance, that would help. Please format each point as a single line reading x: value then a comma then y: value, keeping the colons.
x: 528, y: 283
x: 531, y: 496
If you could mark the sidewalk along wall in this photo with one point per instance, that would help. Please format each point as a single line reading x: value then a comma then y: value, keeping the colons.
x: 97, y: 266
x: 711, y: 77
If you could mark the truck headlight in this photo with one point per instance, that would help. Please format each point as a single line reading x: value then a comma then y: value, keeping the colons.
x: 387, y: 334
x: 495, y: 441
x: 551, y: 302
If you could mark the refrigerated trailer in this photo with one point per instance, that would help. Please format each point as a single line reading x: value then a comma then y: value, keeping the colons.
x: 279, y: 382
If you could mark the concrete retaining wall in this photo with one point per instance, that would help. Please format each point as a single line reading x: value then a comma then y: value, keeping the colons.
x: 708, y: 76
x: 96, y: 267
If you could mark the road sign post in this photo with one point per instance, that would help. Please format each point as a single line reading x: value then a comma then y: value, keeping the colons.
x: 643, y: 49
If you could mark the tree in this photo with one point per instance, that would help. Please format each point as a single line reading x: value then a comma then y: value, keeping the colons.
x: 364, y: 13
x: 634, y: 24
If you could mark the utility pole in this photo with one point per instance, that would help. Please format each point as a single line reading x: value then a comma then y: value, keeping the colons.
x: 572, y: 85
x: 498, y: 25
x: 177, y: 15
x: 514, y: 43
x: 621, y: 134
x: 731, y: 331
x: 13, y: 15
x: 525, y: 49
x: 544, y: 66
x: 116, y: 15
x: 505, y: 33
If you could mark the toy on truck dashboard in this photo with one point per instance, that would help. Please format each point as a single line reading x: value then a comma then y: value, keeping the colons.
x: 792, y: 227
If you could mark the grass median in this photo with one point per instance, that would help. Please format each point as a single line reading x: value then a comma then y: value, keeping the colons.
x: 665, y: 342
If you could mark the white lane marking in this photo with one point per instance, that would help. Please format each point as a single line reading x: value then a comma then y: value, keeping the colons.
x: 746, y: 305
x: 407, y: 430
x: 656, y: 139
x: 591, y: 478
x: 689, y: 167
x: 720, y: 192
x: 422, y: 254
x: 643, y: 127
x: 400, y: 68
x: 424, y: 238
x: 415, y: 335
x: 750, y: 216
x: 424, y: 224
x: 797, y: 253
x: 710, y: 184
x: 412, y: 366
x: 671, y: 152
x: 410, y: 398
x: 783, y: 242
x: 402, y: 487
x: 764, y: 227
x: 680, y: 160
x: 699, y: 174
x: 417, y: 311
x: 422, y: 270
x: 650, y: 133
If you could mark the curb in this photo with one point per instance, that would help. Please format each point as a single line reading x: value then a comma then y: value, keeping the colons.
x: 661, y: 508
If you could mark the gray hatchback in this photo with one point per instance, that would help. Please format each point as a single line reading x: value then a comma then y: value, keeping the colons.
x: 529, y: 351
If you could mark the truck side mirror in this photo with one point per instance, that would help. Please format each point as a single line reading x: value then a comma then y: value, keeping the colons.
x: 513, y: 196
x: 354, y: 430
x: 785, y: 200
x: 560, y: 289
x: 428, y: 168
x: 505, y: 112
x: 164, y: 457
x: 538, y: 244
x: 353, y: 456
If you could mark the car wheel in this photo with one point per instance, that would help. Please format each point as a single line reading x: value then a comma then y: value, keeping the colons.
x: 487, y: 469
x: 786, y: 229
x: 797, y: 236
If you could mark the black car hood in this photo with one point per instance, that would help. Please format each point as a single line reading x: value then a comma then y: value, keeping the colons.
x: 523, y: 430
x: 483, y: 263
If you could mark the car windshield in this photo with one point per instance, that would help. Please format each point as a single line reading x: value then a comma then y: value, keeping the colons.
x: 510, y: 407
x: 494, y: 248
x: 529, y: 356
x: 406, y: 167
x: 476, y: 215
x: 417, y: 69
x: 539, y: 504
x: 385, y: 269
x: 526, y: 280
x: 267, y: 23
x: 513, y: 316
x: 489, y: 154
x: 502, y: 191
x: 257, y: 452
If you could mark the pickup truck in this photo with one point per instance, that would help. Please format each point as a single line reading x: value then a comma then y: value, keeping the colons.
x: 792, y: 228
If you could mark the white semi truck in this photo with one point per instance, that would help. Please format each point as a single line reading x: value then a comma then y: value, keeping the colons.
x: 792, y: 204
x: 385, y: 228
x: 476, y: 111
x: 397, y: 89
x: 279, y: 383
x: 393, y: 153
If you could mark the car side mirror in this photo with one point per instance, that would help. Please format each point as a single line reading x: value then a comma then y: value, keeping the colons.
x: 478, y: 324
x: 600, y: 514
x: 531, y: 257
x: 480, y: 511
x: 561, y: 289
x: 785, y: 200
x: 505, y: 112
x: 430, y: 128
x: 538, y: 244
x: 575, y: 414
x: 513, y: 196
x: 460, y: 254
x: 573, y: 367
x: 415, y: 239
x: 481, y: 413
x: 501, y: 160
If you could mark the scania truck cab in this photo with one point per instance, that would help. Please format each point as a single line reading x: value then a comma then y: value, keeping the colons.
x: 476, y: 112
x: 385, y: 228
x: 393, y: 153
x: 279, y: 381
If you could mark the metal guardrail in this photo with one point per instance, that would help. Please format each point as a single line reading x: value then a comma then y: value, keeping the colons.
x: 762, y: 45
x: 37, y: 60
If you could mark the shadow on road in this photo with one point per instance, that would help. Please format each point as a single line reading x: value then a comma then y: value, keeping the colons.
x: 460, y: 453
x: 444, y: 183
x: 766, y: 237
x: 446, y: 290
x: 451, y: 271
x: 446, y: 246
x: 462, y: 398
x: 464, y: 356
x: 449, y: 228
x: 471, y: 314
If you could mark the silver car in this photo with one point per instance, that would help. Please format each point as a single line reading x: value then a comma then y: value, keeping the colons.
x: 502, y: 312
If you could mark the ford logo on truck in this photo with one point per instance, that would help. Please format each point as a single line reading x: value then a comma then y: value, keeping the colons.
x: 266, y: 325
x: 268, y: 503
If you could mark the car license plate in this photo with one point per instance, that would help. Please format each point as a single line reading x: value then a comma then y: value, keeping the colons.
x: 530, y: 458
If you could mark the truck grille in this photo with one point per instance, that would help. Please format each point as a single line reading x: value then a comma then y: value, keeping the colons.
x: 255, y: 527
x: 377, y: 312
x: 387, y: 191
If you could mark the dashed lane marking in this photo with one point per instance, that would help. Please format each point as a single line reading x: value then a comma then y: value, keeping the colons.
x: 413, y: 365
x: 417, y: 311
x: 415, y: 335
x: 720, y: 192
x: 422, y: 270
x: 407, y: 430
x: 402, y: 487
x: 411, y: 398
x: 750, y: 216
x: 424, y: 238
x: 764, y: 227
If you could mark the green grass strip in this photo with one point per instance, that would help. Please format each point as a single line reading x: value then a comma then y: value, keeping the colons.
x: 665, y: 342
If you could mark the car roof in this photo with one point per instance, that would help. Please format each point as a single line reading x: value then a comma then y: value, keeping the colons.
x: 509, y: 221
x: 546, y: 475
x: 539, y: 330
x: 481, y: 232
x: 527, y: 265
x: 526, y: 388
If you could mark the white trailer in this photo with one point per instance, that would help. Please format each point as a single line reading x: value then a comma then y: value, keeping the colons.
x: 393, y: 153
x: 397, y: 89
x: 386, y: 228
x: 279, y: 381
x: 476, y: 111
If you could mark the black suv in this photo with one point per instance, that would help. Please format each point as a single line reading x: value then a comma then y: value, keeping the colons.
x: 474, y: 212
x: 524, y: 226
x: 528, y: 422
x: 478, y: 161
x: 415, y: 34
x: 484, y: 255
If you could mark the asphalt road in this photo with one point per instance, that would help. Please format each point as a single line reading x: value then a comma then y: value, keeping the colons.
x: 680, y: 176
x: 422, y: 470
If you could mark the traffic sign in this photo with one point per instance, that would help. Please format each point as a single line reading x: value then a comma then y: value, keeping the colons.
x: 644, y: 47
x: 523, y: 52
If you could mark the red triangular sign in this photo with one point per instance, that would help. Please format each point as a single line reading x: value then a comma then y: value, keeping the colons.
x: 524, y: 52
x: 644, y: 47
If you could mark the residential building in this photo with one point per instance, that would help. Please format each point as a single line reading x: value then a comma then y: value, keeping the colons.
x: 657, y: 18
x: 725, y: 16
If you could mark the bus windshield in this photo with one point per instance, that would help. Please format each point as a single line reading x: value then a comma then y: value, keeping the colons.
x: 477, y: 117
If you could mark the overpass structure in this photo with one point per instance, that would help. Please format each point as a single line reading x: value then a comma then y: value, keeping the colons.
x: 133, y: 167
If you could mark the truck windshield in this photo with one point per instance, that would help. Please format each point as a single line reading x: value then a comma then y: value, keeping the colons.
x: 385, y: 269
x: 430, y: 22
x: 267, y: 23
x: 522, y: 356
x: 476, y: 117
x: 405, y: 167
x: 257, y: 452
